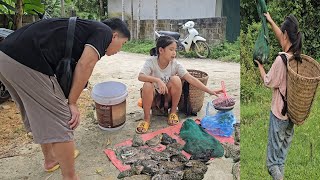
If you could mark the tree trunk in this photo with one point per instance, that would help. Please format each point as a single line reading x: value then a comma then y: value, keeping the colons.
x: 138, y: 19
x: 155, y: 19
x: 106, y: 10
x: 131, y: 21
x: 122, y: 14
x: 18, y: 14
x: 101, y: 8
x: 62, y: 9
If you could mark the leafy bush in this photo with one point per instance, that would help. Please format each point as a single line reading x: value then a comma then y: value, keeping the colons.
x: 306, y: 11
x: 250, y: 76
x: 248, y: 14
x: 226, y: 51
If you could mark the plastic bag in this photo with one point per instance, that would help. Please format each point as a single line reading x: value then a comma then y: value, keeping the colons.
x: 220, y: 124
x: 224, y: 102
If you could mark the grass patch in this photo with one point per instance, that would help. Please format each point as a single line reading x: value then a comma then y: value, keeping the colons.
x: 304, y: 155
x: 138, y: 46
x: 225, y: 51
x: 229, y: 52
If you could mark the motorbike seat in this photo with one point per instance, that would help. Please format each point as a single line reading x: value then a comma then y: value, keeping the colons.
x: 5, y: 32
x: 175, y: 35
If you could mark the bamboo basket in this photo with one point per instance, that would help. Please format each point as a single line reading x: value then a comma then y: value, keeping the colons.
x: 302, y: 82
x: 196, y: 96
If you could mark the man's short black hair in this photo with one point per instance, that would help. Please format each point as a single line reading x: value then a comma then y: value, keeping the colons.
x: 118, y: 25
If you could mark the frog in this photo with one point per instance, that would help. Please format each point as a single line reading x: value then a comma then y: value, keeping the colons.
x: 154, y: 141
x: 137, y: 141
x: 232, y: 151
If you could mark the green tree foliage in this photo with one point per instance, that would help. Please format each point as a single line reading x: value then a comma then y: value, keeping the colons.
x: 86, y: 9
x: 52, y: 7
x: 250, y: 78
x: 30, y: 6
x: 7, y: 7
x: 248, y: 13
x: 19, y: 8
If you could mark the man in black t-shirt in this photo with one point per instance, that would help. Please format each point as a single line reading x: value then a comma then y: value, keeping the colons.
x: 28, y: 58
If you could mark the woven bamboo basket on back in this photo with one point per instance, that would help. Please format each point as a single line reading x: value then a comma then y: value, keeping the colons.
x: 302, y: 82
x: 196, y: 96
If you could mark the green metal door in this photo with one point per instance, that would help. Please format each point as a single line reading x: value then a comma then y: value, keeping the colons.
x: 231, y: 10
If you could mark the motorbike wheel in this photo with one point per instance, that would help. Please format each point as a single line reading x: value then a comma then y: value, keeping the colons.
x: 202, y: 49
x: 4, y: 94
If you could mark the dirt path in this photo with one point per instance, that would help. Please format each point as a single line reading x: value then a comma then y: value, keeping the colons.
x: 26, y: 161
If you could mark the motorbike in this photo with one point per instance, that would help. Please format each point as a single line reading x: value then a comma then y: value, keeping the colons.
x: 4, y: 94
x: 192, y: 42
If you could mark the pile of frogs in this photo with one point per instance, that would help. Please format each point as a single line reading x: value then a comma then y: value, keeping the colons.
x: 233, y: 151
x: 169, y: 164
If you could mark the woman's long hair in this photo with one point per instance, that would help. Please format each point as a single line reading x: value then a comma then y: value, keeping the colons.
x: 291, y: 26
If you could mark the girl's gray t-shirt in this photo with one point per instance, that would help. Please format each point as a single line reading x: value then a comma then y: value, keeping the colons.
x: 174, y: 68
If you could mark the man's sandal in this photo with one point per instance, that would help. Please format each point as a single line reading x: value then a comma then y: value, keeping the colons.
x: 76, y: 154
x: 144, y: 125
x: 173, y: 119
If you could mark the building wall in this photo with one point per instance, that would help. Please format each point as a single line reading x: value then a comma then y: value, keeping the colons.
x: 212, y: 29
x: 167, y: 9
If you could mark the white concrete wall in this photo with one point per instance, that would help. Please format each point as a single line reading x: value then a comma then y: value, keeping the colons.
x: 168, y: 9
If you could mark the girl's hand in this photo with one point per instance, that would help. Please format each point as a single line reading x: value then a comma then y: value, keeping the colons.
x: 219, y: 91
x: 268, y: 17
x: 259, y: 64
x: 215, y: 92
x: 162, y: 87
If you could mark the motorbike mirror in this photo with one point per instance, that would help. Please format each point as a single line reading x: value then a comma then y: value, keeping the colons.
x: 189, y: 24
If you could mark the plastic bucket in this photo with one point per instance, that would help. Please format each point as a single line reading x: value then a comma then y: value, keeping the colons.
x: 110, y: 100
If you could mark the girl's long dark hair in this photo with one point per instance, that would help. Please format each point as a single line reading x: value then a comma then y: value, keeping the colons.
x: 291, y: 26
x: 164, y: 41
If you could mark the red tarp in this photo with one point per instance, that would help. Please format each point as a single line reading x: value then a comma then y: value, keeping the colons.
x: 172, y: 131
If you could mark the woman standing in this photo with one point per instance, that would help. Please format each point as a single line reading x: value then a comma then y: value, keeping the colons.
x: 281, y: 127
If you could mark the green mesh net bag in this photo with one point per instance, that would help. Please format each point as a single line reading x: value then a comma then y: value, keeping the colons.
x: 261, y: 47
x: 198, y: 141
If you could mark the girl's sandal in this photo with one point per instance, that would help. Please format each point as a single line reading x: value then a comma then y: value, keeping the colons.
x: 173, y: 119
x: 144, y: 125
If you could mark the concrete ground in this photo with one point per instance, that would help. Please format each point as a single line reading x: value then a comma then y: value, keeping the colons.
x: 92, y: 164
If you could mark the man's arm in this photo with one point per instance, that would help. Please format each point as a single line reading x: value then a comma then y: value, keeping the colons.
x: 81, y: 76
x: 82, y: 73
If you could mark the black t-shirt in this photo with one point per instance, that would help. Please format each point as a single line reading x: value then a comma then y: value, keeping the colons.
x: 41, y: 45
